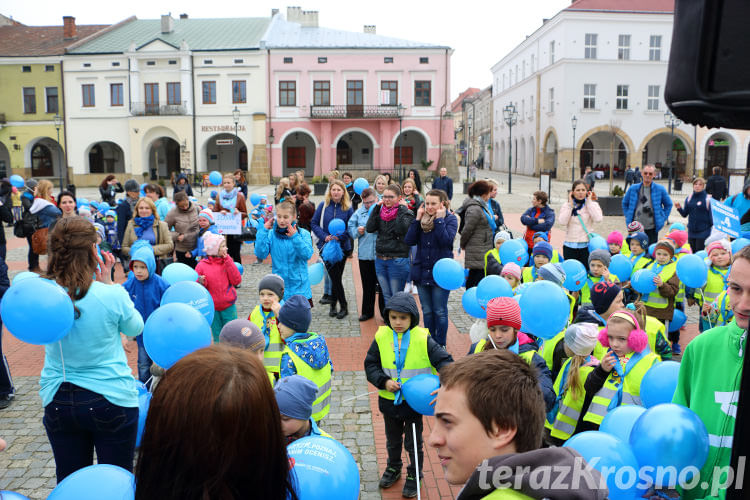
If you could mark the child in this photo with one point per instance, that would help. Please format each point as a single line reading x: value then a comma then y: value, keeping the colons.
x: 660, y: 303
x: 679, y: 240
x: 579, y: 342
x: 218, y: 273
x: 205, y: 223
x: 265, y: 316
x: 16, y: 199
x: 145, y: 288
x: 290, y: 248
x: 384, y: 364
x: 283, y: 191
x: 305, y: 354
x: 638, y: 243
x: 110, y: 231
x: 720, y: 255
x: 617, y: 380
x: 504, y: 323
x: 616, y: 244
x: 353, y: 196
x: 598, y: 270
x: 244, y: 334
x: 542, y: 254
x: 542, y: 236
x: 295, y: 396
x: 512, y: 274
x: 492, y: 264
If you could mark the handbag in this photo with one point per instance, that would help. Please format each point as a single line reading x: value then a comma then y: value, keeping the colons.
x: 248, y: 233
x: 39, y: 241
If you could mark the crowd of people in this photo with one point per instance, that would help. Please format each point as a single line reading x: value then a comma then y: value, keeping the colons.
x: 515, y: 394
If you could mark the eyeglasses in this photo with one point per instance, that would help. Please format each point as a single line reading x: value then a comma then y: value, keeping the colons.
x: 389, y: 197
x: 647, y: 174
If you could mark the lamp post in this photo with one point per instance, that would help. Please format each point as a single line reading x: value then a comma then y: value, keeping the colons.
x: 510, y: 115
x: 671, y: 121
x: 400, y: 111
x: 573, y: 123
x: 58, y: 124
x: 236, y: 117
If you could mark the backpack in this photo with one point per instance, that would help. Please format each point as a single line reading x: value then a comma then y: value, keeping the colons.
x: 460, y: 214
x: 28, y: 224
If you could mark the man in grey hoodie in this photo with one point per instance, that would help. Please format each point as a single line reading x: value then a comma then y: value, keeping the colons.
x: 489, y: 423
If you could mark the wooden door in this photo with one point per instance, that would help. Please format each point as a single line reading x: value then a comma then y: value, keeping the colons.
x: 295, y: 158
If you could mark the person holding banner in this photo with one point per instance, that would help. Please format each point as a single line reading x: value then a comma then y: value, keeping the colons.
x: 231, y: 200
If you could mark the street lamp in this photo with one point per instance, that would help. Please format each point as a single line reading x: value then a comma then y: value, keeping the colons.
x: 671, y: 122
x: 400, y: 111
x: 511, y: 118
x: 58, y: 124
x: 236, y: 116
x: 573, y: 123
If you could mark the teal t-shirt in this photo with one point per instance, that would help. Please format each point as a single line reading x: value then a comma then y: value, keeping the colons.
x: 92, y: 352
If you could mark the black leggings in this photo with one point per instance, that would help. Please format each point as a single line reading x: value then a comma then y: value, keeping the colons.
x: 697, y: 244
x: 579, y: 254
x: 234, y: 245
x: 335, y: 272
x: 474, y: 277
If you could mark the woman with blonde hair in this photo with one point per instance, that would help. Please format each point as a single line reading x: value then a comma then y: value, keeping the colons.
x: 380, y: 184
x: 283, y: 191
x: 146, y: 225
x: 44, y: 208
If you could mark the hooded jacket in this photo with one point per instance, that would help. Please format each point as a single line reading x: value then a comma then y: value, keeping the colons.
x: 184, y: 222
x: 46, y: 211
x: 431, y: 247
x: 146, y: 294
x: 476, y: 236
x: 741, y: 203
x: 183, y: 187
x: 221, y: 276
x: 289, y: 257
x: 313, y: 350
x: 568, y: 485
x: 109, y: 192
x: 697, y: 208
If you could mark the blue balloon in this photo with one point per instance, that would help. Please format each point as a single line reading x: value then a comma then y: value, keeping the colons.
x: 448, y: 274
x: 692, y: 271
x: 144, y: 401
x: 545, y: 309
x: 214, y: 178
x: 575, y: 275
x: 702, y: 254
x: 659, y: 383
x: 80, y: 202
x: 514, y: 251
x: 173, y: 331
x: 620, y: 421
x: 739, y: 244
x: 325, y: 469
x: 642, y: 281
x: 193, y: 294
x: 316, y: 272
x: 523, y: 242
x: 12, y: 495
x: 417, y: 392
x: 492, y: 286
x: 669, y: 435
x: 598, y: 243
x: 177, y: 271
x: 17, y: 181
x: 254, y: 199
x: 96, y: 482
x: 336, y: 227
x: 360, y: 184
x: 612, y: 454
x: 678, y: 319
x: 621, y: 267
x: 240, y: 268
x: 37, y: 311
x: 651, y: 248
x: 24, y: 275
x: 677, y: 226
x: 213, y: 194
x: 471, y: 306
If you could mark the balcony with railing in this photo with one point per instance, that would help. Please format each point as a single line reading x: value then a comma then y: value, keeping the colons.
x: 156, y: 109
x: 358, y: 112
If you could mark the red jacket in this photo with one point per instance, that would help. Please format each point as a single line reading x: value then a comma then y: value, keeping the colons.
x: 221, y: 276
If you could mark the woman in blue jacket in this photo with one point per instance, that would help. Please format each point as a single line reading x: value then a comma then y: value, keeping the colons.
x: 698, y: 211
x: 433, y: 232
x: 539, y: 218
x: 335, y: 206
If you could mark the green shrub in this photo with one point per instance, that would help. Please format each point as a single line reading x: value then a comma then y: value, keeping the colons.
x: 618, y: 191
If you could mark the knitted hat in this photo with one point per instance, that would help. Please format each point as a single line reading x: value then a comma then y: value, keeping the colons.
x: 511, y: 268
x: 614, y: 238
x: 273, y: 283
x: 211, y: 203
x: 540, y: 234
x: 581, y: 338
x: 295, y: 396
x: 542, y: 248
x: 31, y: 184
x: 635, y: 227
x: 719, y: 244
x: 641, y: 238
x: 679, y: 237
x: 600, y: 255
x: 211, y: 243
x: 553, y: 272
x: 503, y: 311
x: 99, y: 230
x: 677, y: 226
x: 131, y: 186
x: 602, y: 295
x: 243, y: 333
x: 666, y: 246
x: 207, y: 214
x: 502, y: 235
x: 295, y: 314
x: 110, y: 213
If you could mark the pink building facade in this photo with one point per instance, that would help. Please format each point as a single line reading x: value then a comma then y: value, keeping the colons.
x: 337, y: 100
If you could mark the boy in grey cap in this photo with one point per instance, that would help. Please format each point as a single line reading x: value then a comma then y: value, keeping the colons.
x: 295, y: 396
x: 598, y: 270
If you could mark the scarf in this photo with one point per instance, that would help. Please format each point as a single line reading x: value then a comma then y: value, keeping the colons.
x: 229, y: 199
x: 428, y: 222
x: 487, y: 213
x: 388, y: 213
x: 142, y: 223
x: 400, y: 352
x: 577, y: 205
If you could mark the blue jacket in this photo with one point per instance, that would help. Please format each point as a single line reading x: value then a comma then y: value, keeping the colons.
x: 740, y: 202
x: 366, y: 249
x: 146, y: 294
x: 289, y: 255
x: 313, y: 350
x: 46, y: 211
x: 528, y: 219
x: 660, y: 200
x: 332, y: 211
x: 697, y: 208
x: 199, y: 250
x: 124, y: 212
x: 162, y: 207
x: 444, y: 183
x: 431, y: 247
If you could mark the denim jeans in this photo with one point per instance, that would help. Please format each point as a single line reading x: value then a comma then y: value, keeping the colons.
x: 144, y: 362
x: 79, y: 421
x: 434, y: 302
x: 7, y: 390
x: 392, y: 275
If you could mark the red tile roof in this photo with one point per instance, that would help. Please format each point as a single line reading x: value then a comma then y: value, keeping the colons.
x: 22, y: 40
x: 637, y: 6
x: 456, y: 104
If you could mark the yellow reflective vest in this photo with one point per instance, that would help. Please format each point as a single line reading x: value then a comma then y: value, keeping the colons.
x: 529, y: 274
x: 639, y: 261
x: 590, y: 282
x: 569, y: 408
x: 272, y: 354
x: 506, y: 494
x: 548, y: 348
x: 320, y: 377
x: 716, y: 283
x: 491, y: 254
x: 417, y: 359
x: 654, y: 299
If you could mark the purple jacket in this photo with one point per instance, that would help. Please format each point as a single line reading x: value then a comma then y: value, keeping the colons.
x: 431, y: 247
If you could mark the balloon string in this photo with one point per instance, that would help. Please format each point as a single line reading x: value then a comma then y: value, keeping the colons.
x: 703, y: 301
x: 416, y: 457
x: 147, y: 382
x: 359, y: 396
x: 492, y: 341
x: 62, y: 359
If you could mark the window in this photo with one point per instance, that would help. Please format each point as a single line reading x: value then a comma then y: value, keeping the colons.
x: 208, y: 61
x: 523, y: 70
x: 29, y: 100
x: 288, y: 60
x: 503, y: 82
x: 355, y: 92
x: 150, y: 63
x: 174, y: 93
x: 239, y: 61
x: 239, y: 92
x: 589, y: 96
x: 322, y: 93
x: 322, y: 60
x: 532, y: 63
x: 89, y: 100
x: 26, y: 69
x: 523, y: 109
x: 287, y: 93
x: 623, y: 47
x: 116, y: 63
x: 209, y: 92
x: 172, y: 61
x: 423, y: 93
x: 654, y: 48
x: 391, y: 87
x: 51, y: 95
x: 403, y: 155
x: 590, y: 46
x: 388, y: 60
x: 516, y: 73
x: 49, y: 68
x: 115, y: 94
x: 152, y: 98
x: 551, y: 107
x: 653, y: 98
x: 552, y: 52
x: 424, y: 60
x: 622, y: 97
x: 86, y: 65
x: 531, y: 107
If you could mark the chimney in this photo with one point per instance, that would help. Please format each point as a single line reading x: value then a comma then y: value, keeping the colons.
x: 294, y: 14
x: 69, y: 27
x: 167, y: 24
x: 309, y: 18
x: 183, y: 16
x: 370, y: 29
x: 274, y: 12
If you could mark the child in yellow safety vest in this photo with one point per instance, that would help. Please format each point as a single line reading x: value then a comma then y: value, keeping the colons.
x: 542, y: 236
x: 512, y: 274
x: 617, y: 245
x: 598, y: 271
x: 720, y: 255
x: 638, y: 243
x: 541, y: 254
x: 265, y: 316
x: 678, y: 238
x: 617, y: 380
x: 660, y: 303
x: 295, y: 396
x: 401, y: 350
x: 245, y: 334
x: 492, y: 264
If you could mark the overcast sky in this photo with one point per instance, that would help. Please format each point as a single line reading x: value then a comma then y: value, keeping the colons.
x: 480, y: 32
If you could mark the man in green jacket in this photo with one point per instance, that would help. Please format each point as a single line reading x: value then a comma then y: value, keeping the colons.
x: 709, y: 383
